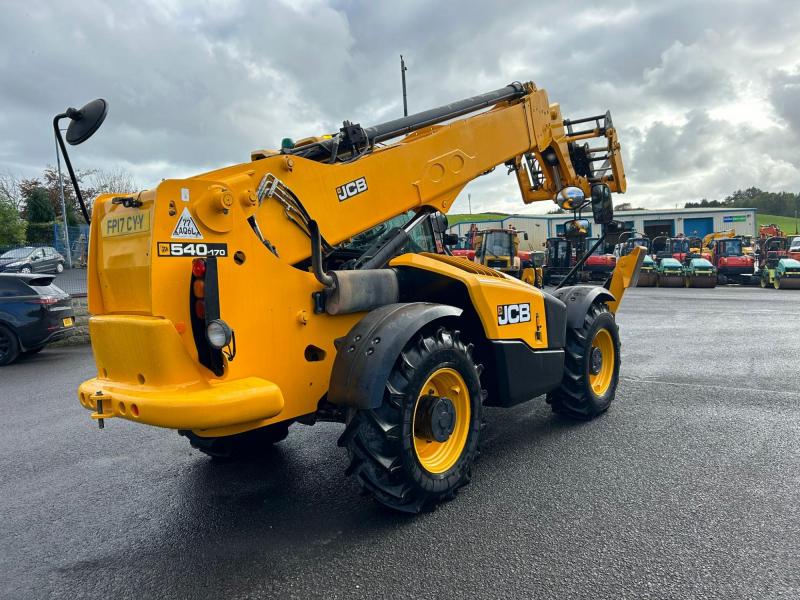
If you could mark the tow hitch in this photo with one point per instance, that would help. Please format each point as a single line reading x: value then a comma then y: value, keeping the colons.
x: 99, y: 414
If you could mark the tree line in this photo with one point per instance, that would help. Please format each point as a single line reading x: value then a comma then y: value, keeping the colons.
x: 30, y: 206
x: 783, y: 204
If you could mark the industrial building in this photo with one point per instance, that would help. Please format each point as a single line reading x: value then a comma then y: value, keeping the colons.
x: 669, y: 222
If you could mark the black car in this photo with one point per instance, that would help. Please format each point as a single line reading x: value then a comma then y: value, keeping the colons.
x: 33, y: 313
x: 32, y: 260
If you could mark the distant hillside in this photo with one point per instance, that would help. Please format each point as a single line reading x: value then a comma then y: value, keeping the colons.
x: 774, y: 203
x: 475, y: 217
x: 787, y: 224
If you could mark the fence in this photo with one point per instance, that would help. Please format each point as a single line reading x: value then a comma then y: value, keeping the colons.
x: 51, y: 235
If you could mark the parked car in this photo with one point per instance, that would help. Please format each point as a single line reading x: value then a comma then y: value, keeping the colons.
x: 29, y: 259
x: 794, y: 248
x: 33, y: 313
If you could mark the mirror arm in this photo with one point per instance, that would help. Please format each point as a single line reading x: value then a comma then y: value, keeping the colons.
x: 64, y: 153
x: 581, y: 262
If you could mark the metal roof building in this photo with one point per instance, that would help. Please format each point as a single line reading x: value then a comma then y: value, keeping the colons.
x: 669, y: 222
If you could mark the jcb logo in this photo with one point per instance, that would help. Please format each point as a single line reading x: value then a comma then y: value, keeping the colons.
x: 348, y: 190
x: 509, y: 314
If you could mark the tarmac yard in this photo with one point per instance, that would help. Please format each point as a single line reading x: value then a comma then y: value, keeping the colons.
x: 687, y: 488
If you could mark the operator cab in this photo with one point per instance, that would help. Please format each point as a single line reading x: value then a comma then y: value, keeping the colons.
x: 407, y: 232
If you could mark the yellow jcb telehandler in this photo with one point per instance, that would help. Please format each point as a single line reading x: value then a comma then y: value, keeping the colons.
x: 305, y: 285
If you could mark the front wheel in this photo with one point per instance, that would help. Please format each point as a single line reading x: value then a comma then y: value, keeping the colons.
x: 60, y: 268
x: 418, y: 447
x: 591, y: 367
x: 25, y: 270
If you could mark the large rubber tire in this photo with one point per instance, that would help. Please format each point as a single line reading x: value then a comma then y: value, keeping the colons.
x: 9, y: 346
x: 60, y: 267
x: 249, y: 444
x: 387, y: 458
x: 722, y: 280
x: 577, y: 398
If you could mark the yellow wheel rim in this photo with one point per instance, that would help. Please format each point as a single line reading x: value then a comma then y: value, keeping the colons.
x: 439, y: 457
x: 604, y: 345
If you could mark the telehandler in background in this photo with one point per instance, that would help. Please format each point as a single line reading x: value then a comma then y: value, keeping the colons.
x: 305, y: 285
x: 499, y: 249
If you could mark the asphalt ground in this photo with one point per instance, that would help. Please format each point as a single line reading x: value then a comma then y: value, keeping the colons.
x: 686, y: 488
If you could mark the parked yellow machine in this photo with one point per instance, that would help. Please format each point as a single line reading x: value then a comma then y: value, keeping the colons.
x: 305, y: 285
x: 708, y: 245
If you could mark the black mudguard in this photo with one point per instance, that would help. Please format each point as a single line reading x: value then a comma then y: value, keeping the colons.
x: 578, y: 299
x: 366, y: 355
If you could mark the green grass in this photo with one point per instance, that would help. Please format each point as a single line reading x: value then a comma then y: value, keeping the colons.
x: 787, y: 224
x: 475, y: 217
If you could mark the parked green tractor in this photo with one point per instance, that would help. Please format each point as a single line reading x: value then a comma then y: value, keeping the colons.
x: 647, y: 273
x: 669, y: 273
x: 700, y: 273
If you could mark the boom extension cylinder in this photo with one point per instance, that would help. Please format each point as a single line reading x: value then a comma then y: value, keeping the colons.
x: 405, y: 125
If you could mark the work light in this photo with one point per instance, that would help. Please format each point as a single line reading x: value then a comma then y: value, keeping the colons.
x: 218, y: 334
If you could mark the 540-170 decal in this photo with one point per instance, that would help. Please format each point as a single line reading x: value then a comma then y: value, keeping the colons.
x: 192, y: 249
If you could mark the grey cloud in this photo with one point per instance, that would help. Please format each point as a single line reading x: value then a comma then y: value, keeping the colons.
x: 785, y: 97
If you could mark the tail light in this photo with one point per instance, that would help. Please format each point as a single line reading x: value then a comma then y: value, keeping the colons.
x: 203, y: 309
x: 44, y: 300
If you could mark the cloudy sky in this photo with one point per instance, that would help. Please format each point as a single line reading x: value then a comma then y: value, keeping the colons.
x: 705, y: 95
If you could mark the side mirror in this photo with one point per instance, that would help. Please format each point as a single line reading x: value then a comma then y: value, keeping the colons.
x: 86, y: 121
x: 450, y: 239
x: 576, y: 227
x: 571, y: 198
x: 439, y: 222
x: 602, y: 205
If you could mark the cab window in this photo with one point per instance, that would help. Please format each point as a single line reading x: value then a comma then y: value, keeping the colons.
x: 421, y: 238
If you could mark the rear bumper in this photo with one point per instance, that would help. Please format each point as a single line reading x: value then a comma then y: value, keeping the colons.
x: 147, y: 376
x: 219, y: 405
x: 48, y: 329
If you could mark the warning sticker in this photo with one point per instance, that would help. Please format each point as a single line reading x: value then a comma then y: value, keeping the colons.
x: 186, y: 227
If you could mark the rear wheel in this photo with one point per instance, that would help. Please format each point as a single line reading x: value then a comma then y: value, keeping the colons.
x: 25, y: 270
x: 60, y: 268
x: 591, y: 367
x: 418, y: 447
x: 9, y: 346
x: 241, y: 445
